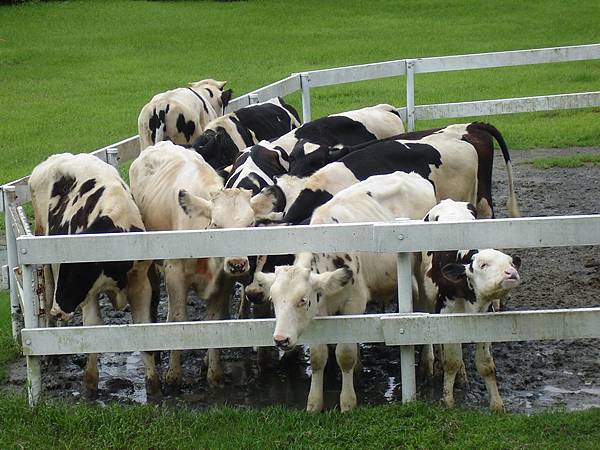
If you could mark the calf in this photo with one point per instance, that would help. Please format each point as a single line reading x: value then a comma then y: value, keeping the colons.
x: 180, y: 115
x: 80, y: 194
x: 329, y: 284
x: 467, y: 281
x: 225, y: 137
x: 163, y: 178
x: 456, y: 159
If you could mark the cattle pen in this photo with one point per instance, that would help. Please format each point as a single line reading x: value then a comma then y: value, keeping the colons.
x: 26, y: 253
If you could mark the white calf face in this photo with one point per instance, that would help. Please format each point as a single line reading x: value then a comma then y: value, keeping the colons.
x: 491, y: 274
x: 296, y: 293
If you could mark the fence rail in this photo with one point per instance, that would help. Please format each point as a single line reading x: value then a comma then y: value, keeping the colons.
x: 405, y: 328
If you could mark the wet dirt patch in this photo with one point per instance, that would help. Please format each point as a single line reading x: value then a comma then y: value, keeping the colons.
x: 531, y: 375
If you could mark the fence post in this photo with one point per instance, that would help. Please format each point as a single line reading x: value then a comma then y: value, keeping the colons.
x: 305, y: 86
x: 407, y: 352
x: 10, y: 199
x: 410, y: 94
x: 34, y: 373
x: 112, y: 157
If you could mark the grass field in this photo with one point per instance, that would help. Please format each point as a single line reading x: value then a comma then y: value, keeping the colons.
x: 395, y: 426
x: 576, y: 160
x: 74, y: 75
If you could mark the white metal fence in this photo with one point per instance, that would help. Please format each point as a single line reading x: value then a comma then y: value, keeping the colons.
x: 406, y: 329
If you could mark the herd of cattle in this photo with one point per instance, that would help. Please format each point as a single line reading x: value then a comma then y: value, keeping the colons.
x: 258, y: 166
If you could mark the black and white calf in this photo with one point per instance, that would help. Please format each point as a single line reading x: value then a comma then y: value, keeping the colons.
x: 338, y: 284
x: 80, y: 194
x: 180, y: 115
x: 457, y: 160
x: 467, y: 281
x: 225, y: 137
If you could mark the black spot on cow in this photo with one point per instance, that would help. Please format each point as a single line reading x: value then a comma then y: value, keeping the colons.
x: 335, y: 220
x: 348, y: 258
x: 216, y: 147
x: 275, y: 193
x: 62, y: 188
x: 334, y: 130
x: 243, y: 131
x: 267, y: 121
x: 154, y: 124
x: 305, y: 204
x: 338, y: 262
x: 370, y: 194
x: 454, y: 287
x: 266, y: 159
x: 185, y: 128
x: 87, y: 186
x: 76, y: 279
x: 210, y: 92
x: 201, y: 99
x: 79, y: 221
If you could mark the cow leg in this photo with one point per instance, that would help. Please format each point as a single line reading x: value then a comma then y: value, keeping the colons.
x: 452, y: 362
x: 218, y: 309
x: 318, y: 359
x: 91, y: 316
x: 346, y: 356
x: 264, y: 355
x: 426, y: 361
x: 139, y: 296
x: 177, y: 288
x: 487, y: 369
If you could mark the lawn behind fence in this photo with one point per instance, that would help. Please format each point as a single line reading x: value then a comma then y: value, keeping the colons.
x: 74, y: 75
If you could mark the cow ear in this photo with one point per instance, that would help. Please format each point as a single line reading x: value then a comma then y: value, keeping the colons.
x: 262, y: 204
x: 220, y: 84
x: 265, y: 280
x: 516, y: 262
x: 329, y: 283
x: 193, y: 205
x: 473, y: 210
x: 226, y: 97
x: 454, y: 272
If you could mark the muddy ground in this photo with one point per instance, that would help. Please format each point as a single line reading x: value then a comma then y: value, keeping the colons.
x: 531, y: 375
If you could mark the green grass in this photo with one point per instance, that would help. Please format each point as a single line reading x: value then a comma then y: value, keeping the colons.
x: 8, y: 349
x: 397, y: 426
x: 74, y: 75
x: 570, y: 161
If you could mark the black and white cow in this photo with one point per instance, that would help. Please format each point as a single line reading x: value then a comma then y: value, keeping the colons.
x: 180, y: 115
x: 171, y: 184
x: 337, y: 284
x: 467, y: 281
x: 456, y: 159
x: 225, y: 137
x: 80, y: 194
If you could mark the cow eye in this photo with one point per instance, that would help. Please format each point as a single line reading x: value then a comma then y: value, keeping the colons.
x: 302, y: 302
x: 483, y: 265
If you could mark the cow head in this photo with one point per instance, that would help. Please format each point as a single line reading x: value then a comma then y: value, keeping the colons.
x: 227, y: 208
x: 216, y: 147
x: 296, y: 292
x: 449, y: 210
x: 218, y: 98
x: 77, y: 283
x: 491, y: 274
x: 306, y: 158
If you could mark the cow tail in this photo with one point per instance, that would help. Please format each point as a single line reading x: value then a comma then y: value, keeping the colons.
x: 511, y: 202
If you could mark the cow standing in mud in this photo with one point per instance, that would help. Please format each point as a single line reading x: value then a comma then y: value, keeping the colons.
x: 80, y: 194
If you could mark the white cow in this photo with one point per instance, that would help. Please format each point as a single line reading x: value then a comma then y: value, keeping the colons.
x: 162, y: 179
x: 180, y: 115
x: 331, y: 284
x: 80, y: 194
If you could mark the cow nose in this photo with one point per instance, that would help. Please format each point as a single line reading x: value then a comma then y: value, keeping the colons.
x: 512, y: 274
x: 281, y: 342
x: 237, y: 265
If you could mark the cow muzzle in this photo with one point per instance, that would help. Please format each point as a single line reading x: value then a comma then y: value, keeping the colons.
x: 282, y: 342
x: 57, y: 312
x: 237, y: 266
x: 511, y: 278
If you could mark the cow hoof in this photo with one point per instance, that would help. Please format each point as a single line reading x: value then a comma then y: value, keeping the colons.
x: 497, y: 407
x: 347, y: 405
x: 215, y: 378
x: 314, y: 406
x: 172, y: 384
x: 152, y: 386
